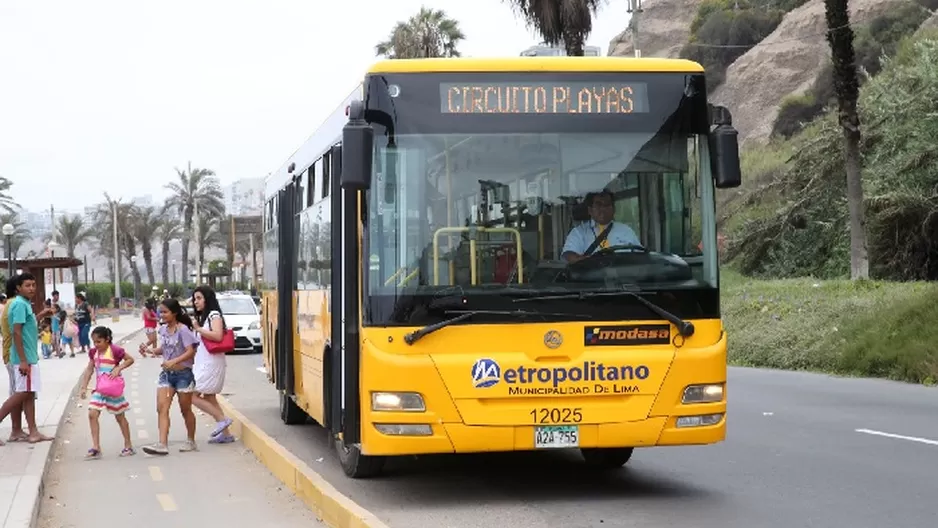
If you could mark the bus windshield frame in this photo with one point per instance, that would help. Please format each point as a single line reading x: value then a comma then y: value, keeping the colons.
x: 485, y: 163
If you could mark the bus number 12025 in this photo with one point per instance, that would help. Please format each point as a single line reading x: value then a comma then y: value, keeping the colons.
x: 546, y: 415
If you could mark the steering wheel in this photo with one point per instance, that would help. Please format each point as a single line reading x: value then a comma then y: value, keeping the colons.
x: 635, y: 248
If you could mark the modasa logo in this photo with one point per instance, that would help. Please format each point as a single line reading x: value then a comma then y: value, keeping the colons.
x: 487, y: 373
x: 627, y: 335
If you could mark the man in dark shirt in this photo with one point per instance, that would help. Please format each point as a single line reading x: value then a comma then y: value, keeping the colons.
x: 83, y: 318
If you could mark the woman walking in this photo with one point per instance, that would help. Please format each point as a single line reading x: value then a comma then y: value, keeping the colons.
x: 177, y: 346
x: 210, y: 368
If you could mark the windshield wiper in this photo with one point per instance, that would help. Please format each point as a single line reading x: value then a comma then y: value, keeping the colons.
x: 684, y: 328
x: 412, y: 337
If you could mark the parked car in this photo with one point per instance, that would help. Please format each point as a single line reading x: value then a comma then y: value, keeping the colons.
x: 242, y: 316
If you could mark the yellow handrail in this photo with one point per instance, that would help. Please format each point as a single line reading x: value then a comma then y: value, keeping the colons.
x: 392, y: 277
x: 473, y: 271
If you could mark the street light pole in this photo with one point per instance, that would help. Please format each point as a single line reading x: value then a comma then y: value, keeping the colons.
x: 8, y: 231
x: 117, y: 270
x: 52, y: 247
x: 133, y: 264
x: 174, y: 272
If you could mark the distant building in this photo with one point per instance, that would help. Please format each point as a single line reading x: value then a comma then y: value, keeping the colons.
x: 245, y: 197
x: 543, y: 50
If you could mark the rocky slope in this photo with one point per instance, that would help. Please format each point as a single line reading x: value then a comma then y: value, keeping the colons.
x: 786, y: 62
x: 664, y: 26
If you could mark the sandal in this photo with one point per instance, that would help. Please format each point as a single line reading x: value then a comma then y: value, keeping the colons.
x: 128, y: 451
x: 93, y: 454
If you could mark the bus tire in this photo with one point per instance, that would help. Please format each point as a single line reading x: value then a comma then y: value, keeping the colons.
x: 290, y: 412
x: 355, y: 464
x: 606, y: 458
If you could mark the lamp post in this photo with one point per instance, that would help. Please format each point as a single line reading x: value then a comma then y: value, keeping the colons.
x: 174, y: 272
x: 133, y: 264
x: 8, y: 230
x: 52, y: 247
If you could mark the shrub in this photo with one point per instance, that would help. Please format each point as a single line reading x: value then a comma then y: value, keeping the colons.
x: 800, y: 226
x: 794, y: 112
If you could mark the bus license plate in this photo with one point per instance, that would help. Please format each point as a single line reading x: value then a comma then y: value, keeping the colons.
x: 556, y: 436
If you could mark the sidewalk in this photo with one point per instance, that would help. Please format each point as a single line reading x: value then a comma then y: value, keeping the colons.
x: 23, y: 466
x: 220, y: 485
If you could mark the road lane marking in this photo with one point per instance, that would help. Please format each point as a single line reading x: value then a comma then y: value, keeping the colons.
x: 134, y: 394
x: 156, y: 474
x: 137, y: 410
x: 136, y: 402
x: 166, y: 502
x: 142, y: 434
x: 899, y: 437
x: 141, y: 421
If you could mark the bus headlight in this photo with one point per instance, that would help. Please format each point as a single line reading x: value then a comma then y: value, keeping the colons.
x: 703, y: 393
x: 699, y: 421
x: 397, y: 401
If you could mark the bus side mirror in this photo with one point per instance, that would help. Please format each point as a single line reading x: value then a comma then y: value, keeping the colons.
x: 724, y: 149
x: 357, y: 149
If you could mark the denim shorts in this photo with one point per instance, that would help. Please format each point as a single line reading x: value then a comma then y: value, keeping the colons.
x: 178, y: 380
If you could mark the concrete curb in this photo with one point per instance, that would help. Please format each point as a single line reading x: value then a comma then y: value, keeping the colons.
x: 331, y: 506
x: 28, y: 496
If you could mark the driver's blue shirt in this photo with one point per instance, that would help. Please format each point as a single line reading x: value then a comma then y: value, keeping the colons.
x: 581, y: 236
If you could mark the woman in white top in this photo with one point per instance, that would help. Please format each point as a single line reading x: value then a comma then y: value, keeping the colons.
x: 209, y: 369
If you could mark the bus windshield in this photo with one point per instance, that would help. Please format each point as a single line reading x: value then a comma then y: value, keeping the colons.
x: 492, y: 217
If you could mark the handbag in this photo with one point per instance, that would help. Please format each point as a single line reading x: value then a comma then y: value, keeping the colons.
x: 224, y: 346
x: 70, y: 329
x: 106, y: 385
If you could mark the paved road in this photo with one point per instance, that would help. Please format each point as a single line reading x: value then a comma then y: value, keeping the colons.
x: 221, y: 485
x: 793, y: 457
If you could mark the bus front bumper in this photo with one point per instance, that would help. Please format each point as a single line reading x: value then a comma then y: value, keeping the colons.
x: 461, y: 438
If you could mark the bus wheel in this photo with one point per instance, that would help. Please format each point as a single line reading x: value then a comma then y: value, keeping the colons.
x: 606, y: 458
x: 290, y: 412
x: 355, y: 464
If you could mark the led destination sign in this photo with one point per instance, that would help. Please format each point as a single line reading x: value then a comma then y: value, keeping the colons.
x: 544, y: 98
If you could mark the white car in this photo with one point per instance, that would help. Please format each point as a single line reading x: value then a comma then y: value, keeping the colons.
x: 242, y: 316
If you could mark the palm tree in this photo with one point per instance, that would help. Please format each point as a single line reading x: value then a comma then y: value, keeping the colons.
x: 146, y: 225
x: 209, y: 235
x: 429, y: 33
x: 170, y: 229
x: 6, y: 201
x: 71, y: 232
x: 847, y: 89
x: 243, y: 249
x: 195, y: 187
x: 566, y: 22
x: 20, y: 232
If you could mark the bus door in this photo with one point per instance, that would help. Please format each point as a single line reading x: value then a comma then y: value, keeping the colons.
x: 342, y: 381
x: 287, y: 233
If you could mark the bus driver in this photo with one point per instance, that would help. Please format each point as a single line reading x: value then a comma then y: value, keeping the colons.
x: 581, y: 239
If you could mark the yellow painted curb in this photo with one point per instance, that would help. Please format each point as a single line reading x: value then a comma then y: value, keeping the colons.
x: 334, y: 508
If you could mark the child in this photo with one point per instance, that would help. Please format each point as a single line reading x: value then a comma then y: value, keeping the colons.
x: 106, y: 359
x: 45, y: 337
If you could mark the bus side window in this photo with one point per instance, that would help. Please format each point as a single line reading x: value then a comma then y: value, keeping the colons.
x: 311, y: 187
x: 326, y: 172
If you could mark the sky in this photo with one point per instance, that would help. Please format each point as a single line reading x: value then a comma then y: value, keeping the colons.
x: 114, y: 95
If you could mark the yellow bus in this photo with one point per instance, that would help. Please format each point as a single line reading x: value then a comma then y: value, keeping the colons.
x: 503, y: 254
